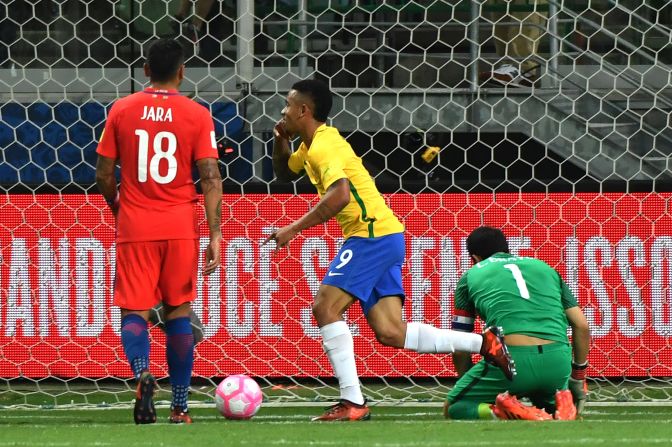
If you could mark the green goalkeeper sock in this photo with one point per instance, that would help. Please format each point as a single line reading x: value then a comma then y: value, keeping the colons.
x: 470, y: 410
x: 485, y: 412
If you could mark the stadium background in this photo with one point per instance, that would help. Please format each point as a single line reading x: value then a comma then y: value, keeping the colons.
x: 574, y: 170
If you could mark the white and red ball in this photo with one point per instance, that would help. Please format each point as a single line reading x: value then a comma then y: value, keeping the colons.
x: 238, y: 397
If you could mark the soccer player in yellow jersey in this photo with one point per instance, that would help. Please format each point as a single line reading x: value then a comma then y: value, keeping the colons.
x: 368, y: 266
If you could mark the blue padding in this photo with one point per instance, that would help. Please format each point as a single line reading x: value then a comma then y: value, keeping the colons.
x: 16, y: 155
x: 28, y: 134
x: 43, y: 155
x: 58, y: 175
x: 54, y: 135
x: 8, y: 175
x: 33, y: 173
x: 13, y: 114
x: 40, y: 113
x: 93, y: 113
x: 66, y: 113
x: 6, y: 135
x: 56, y: 143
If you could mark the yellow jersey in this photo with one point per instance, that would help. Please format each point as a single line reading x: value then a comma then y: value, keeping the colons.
x: 329, y: 158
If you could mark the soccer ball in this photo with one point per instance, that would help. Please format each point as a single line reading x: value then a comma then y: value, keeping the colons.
x: 238, y: 397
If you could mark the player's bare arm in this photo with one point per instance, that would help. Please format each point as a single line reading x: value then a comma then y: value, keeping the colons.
x: 211, y: 184
x: 281, y: 153
x: 580, y: 346
x: 106, y: 182
x: 336, y: 198
x: 580, y: 333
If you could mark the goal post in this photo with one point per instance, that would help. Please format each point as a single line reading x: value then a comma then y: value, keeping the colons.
x: 573, y: 167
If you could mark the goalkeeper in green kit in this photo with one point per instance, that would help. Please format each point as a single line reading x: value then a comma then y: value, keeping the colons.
x: 532, y: 304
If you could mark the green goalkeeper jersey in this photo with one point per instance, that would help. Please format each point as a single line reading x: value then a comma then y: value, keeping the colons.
x: 522, y: 295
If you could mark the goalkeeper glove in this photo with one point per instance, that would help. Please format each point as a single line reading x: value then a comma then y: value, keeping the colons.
x: 578, y: 386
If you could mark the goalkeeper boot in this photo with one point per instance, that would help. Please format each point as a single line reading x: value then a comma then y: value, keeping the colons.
x: 564, y: 406
x: 345, y: 411
x: 179, y: 416
x: 495, y: 352
x: 144, y: 411
x: 510, y: 408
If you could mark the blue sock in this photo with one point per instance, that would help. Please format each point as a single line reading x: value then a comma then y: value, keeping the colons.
x: 180, y: 356
x: 135, y: 339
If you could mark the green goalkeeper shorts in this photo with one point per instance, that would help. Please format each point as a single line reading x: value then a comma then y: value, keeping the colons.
x: 541, y: 371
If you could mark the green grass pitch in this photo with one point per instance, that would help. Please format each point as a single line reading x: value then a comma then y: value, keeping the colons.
x: 290, y: 426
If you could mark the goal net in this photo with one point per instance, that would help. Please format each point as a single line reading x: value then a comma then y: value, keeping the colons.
x: 548, y: 119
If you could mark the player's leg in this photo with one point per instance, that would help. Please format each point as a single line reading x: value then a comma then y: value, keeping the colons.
x: 484, y: 391
x: 201, y: 12
x: 541, y: 372
x: 385, y: 318
x: 157, y: 318
x: 382, y: 305
x: 474, y: 394
x: 135, y: 340
x: 525, y: 42
x: 328, y: 308
x: 351, y: 275
x: 552, y: 370
x: 177, y: 284
x: 501, y: 33
x: 135, y: 292
x: 383, y: 309
x: 183, y: 9
x: 180, y: 358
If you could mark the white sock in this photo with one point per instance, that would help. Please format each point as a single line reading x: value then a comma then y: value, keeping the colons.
x: 338, y: 344
x: 423, y: 338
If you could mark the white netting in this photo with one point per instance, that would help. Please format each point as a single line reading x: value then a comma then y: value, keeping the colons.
x: 551, y: 121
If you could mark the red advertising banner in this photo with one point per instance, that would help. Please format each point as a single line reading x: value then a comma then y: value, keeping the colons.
x: 57, y: 270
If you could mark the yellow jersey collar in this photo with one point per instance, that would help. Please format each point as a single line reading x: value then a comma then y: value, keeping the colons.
x: 303, y: 145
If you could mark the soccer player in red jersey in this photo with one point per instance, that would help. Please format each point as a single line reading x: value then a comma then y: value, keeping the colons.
x: 156, y: 136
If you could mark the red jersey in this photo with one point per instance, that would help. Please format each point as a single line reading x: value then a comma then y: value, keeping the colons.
x: 157, y: 135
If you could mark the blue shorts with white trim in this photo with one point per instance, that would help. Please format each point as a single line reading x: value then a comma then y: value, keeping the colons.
x: 369, y: 268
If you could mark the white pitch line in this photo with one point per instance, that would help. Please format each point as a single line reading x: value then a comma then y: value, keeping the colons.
x: 517, y: 442
x: 62, y: 444
x: 303, y: 442
x: 305, y: 419
x: 301, y: 418
x: 53, y: 444
x: 199, y: 404
x: 33, y: 416
x: 657, y: 403
x: 598, y: 412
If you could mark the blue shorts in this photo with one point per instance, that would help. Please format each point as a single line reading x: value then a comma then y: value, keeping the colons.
x: 369, y: 268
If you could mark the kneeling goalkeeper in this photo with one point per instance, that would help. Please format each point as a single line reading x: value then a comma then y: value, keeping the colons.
x: 533, y: 305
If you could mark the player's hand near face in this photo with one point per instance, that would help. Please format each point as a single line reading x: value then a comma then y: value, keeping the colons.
x: 280, y: 132
x: 213, y: 255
